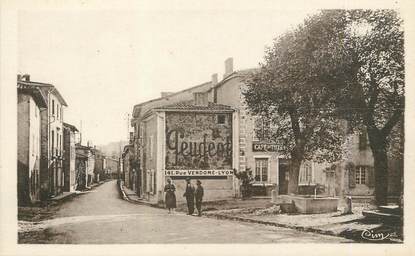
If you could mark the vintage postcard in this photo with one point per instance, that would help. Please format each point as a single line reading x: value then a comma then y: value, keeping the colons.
x: 175, y: 127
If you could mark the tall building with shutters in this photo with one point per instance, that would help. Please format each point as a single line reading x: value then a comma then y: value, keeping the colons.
x: 51, y: 138
x: 30, y: 102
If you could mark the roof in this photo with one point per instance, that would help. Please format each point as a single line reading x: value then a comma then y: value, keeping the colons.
x: 70, y: 126
x: 145, y: 108
x: 46, y: 88
x: 161, y: 101
x: 172, y: 94
x: 192, y: 107
x: 235, y: 74
x: 35, y: 92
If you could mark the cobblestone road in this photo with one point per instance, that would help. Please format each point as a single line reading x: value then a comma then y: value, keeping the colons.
x: 100, y: 217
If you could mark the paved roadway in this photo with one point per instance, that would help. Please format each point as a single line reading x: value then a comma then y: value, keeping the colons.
x: 101, y: 217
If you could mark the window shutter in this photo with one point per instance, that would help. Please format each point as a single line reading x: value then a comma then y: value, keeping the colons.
x: 370, y: 180
x: 352, y: 177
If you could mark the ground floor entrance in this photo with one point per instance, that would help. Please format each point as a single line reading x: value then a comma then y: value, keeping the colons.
x: 283, y: 176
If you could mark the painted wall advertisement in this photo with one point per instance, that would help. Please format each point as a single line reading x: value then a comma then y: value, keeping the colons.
x: 197, y: 144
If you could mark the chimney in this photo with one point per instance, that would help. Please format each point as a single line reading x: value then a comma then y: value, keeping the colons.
x: 214, y: 79
x: 25, y: 77
x: 165, y: 94
x: 19, y: 77
x: 228, y: 67
x: 200, y: 98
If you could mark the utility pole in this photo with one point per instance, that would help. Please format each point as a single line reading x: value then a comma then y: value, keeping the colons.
x: 80, y: 134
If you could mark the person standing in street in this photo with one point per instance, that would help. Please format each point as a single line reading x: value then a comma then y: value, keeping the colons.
x: 170, y: 196
x: 190, y: 197
x: 199, y: 197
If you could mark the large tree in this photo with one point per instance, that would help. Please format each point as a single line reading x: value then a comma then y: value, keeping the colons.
x: 352, y: 62
x: 301, y: 108
x: 370, y: 59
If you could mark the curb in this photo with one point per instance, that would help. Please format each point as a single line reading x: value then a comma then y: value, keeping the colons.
x: 269, y: 223
x: 298, y: 228
x: 125, y: 197
x: 73, y: 194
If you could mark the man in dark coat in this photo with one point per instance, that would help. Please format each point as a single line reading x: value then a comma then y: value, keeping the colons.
x: 190, y: 197
x: 199, y: 197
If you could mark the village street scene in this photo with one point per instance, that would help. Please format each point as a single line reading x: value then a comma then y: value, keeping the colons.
x: 302, y: 142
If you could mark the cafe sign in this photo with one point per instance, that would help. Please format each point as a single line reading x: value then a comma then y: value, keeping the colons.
x: 266, y: 147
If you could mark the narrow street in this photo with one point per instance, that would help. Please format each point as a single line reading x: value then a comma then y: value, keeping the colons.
x: 100, y: 217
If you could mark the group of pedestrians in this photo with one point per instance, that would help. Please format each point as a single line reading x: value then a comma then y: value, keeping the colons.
x: 191, y: 193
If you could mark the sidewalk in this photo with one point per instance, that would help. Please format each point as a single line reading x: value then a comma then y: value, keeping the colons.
x: 64, y: 196
x: 335, y: 224
x: 130, y: 196
x: 44, y: 210
x: 262, y: 211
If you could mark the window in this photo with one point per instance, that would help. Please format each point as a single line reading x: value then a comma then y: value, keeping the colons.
x: 53, y: 107
x: 53, y: 142
x: 261, y: 169
x: 150, y: 181
x: 306, y: 174
x: 33, y: 144
x: 363, y: 143
x: 154, y: 189
x: 150, y: 145
x: 221, y: 119
x: 361, y: 174
x: 57, y: 110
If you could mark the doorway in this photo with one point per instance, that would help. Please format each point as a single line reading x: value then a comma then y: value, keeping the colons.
x: 283, y: 176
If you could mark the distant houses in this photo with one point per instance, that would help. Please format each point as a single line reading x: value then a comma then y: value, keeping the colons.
x: 69, y: 157
x: 51, y: 162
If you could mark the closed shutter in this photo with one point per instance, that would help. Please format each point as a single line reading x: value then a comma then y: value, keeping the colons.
x: 352, y: 177
x: 370, y: 180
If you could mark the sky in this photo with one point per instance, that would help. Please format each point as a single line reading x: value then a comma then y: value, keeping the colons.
x: 104, y: 61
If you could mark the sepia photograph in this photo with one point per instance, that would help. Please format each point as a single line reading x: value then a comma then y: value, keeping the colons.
x: 162, y: 124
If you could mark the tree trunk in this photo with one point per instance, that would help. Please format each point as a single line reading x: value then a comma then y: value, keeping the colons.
x: 293, y: 177
x: 378, y: 145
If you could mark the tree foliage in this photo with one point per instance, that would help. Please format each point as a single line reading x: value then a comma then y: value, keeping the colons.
x: 299, y: 103
x: 338, y: 64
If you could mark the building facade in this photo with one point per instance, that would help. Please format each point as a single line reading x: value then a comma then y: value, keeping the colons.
x: 51, y: 146
x: 253, y: 149
x: 69, y: 156
x: 112, y: 167
x: 100, y: 168
x: 130, y: 174
x: 85, y: 164
x: 191, y: 138
x: 30, y: 102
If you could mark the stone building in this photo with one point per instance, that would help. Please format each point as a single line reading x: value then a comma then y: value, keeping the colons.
x: 130, y: 173
x: 69, y: 156
x: 51, y: 146
x: 188, y: 138
x: 352, y: 175
x: 30, y: 102
x: 253, y: 150
x: 112, y: 167
x: 100, y: 168
x: 85, y: 164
